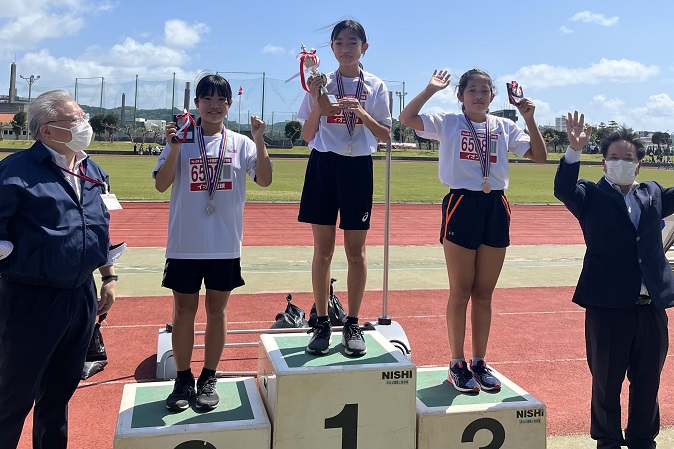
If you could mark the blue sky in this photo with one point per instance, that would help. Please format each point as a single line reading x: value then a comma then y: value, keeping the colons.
x: 611, y: 60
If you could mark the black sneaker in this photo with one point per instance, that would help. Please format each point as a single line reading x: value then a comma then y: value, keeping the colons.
x: 462, y: 379
x: 320, y: 341
x: 183, y: 391
x: 207, y: 396
x: 483, y: 375
x: 353, y: 340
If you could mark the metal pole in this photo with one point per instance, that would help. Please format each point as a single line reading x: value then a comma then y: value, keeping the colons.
x: 100, y: 109
x: 135, y: 102
x: 173, y: 96
x: 30, y: 80
x: 75, y: 90
x: 263, y: 81
x: 384, y: 319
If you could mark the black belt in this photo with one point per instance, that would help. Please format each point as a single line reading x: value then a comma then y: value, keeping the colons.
x: 643, y: 300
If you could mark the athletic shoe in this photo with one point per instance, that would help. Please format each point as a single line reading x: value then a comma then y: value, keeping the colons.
x: 207, y: 396
x: 483, y: 375
x: 462, y: 379
x: 320, y: 341
x: 6, y: 247
x: 179, y: 399
x: 353, y: 340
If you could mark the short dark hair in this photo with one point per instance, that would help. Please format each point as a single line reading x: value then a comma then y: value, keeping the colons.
x: 210, y: 84
x: 627, y: 135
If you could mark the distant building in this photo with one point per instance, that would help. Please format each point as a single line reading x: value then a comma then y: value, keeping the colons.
x: 507, y: 113
x: 560, y: 123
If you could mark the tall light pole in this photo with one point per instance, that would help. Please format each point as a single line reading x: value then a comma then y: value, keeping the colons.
x: 401, y: 95
x: 30, y: 80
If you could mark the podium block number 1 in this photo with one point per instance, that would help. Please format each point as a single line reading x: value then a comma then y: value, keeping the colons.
x: 347, y: 420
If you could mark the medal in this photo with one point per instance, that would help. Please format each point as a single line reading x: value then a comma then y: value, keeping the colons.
x: 483, y: 153
x: 350, y: 119
x: 211, y: 184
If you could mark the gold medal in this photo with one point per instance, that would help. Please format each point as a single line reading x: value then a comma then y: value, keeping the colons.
x: 486, y: 188
x: 210, y: 209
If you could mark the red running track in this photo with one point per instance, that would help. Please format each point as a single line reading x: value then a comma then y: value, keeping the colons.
x: 275, y: 224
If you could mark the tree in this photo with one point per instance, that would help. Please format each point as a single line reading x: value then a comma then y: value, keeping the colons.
x: 97, y: 124
x: 111, y: 124
x: 18, y: 124
x: 293, y: 130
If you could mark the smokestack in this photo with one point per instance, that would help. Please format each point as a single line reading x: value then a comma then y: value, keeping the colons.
x: 122, y: 114
x: 12, y: 83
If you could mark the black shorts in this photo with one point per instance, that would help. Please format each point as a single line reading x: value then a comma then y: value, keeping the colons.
x: 335, y: 183
x: 471, y: 219
x: 185, y: 275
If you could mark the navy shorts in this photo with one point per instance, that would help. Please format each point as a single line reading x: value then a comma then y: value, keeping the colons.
x: 471, y: 219
x: 185, y: 275
x: 335, y: 183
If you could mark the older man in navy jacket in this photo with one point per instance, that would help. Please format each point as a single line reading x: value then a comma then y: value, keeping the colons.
x: 625, y: 285
x: 53, y: 235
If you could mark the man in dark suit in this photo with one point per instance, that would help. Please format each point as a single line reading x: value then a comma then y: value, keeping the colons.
x: 625, y: 285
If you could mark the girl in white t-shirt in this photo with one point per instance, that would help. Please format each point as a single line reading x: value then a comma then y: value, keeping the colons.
x: 208, y: 179
x: 475, y: 212
x: 343, y: 136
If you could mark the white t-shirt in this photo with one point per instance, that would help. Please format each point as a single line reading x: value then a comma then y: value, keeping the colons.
x: 458, y: 165
x: 333, y: 134
x: 192, y: 233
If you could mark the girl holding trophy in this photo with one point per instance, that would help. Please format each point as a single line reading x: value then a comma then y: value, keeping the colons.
x: 339, y: 175
x: 475, y: 213
x: 205, y: 228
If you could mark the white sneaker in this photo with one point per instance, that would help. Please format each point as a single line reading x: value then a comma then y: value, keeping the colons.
x: 6, y: 248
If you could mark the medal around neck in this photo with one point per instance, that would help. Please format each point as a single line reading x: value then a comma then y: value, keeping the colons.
x: 309, y: 61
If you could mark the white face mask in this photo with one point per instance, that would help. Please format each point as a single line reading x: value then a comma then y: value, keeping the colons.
x: 81, y: 136
x: 622, y: 173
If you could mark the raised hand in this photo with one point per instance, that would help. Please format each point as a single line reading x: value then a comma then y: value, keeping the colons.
x: 257, y: 126
x: 577, y: 132
x: 439, y: 80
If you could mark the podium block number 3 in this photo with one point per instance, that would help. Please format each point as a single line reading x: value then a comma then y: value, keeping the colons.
x: 490, y: 424
x: 347, y: 420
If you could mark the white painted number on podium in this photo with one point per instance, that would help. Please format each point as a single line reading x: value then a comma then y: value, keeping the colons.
x: 490, y: 424
x: 347, y: 420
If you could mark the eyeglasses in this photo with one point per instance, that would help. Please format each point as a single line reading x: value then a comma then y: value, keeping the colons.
x: 77, y: 121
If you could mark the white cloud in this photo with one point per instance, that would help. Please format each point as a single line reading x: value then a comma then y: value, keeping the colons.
x: 180, y: 34
x: 591, y: 17
x: 660, y: 105
x: 273, y: 49
x: 565, y: 30
x: 606, y: 70
x: 607, y: 104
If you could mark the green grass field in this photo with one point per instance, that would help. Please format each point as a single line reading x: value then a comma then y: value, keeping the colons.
x: 411, y: 181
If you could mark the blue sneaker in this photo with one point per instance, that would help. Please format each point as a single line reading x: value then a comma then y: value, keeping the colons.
x: 462, y: 379
x: 483, y: 375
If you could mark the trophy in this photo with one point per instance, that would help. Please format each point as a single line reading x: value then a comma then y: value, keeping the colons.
x: 309, y: 61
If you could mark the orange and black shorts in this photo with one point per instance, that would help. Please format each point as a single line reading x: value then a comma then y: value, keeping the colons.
x: 471, y: 219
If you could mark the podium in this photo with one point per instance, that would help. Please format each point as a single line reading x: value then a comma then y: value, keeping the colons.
x: 446, y: 418
x: 335, y: 401
x: 239, y: 420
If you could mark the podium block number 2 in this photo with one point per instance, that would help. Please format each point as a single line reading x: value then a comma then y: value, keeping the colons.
x: 490, y: 424
x: 347, y: 420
